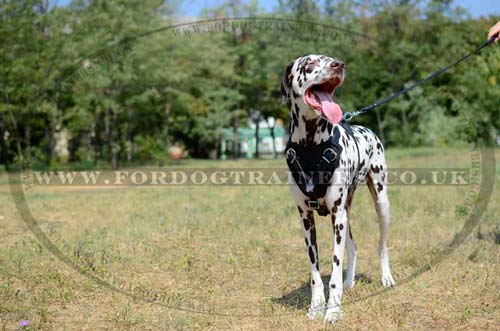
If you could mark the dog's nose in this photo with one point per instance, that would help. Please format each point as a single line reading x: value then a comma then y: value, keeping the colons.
x: 337, y: 64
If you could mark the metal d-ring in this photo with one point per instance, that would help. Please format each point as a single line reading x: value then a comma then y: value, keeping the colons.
x: 291, y: 153
x: 333, y: 152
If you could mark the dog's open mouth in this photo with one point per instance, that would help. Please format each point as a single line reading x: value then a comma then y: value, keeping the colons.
x: 320, y: 97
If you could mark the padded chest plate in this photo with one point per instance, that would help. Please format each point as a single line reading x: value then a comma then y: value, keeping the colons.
x: 312, y: 168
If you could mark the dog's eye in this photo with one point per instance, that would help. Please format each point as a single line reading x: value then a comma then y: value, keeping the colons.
x: 310, y: 66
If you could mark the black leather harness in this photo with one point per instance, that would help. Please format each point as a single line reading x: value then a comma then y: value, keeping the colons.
x: 312, y: 168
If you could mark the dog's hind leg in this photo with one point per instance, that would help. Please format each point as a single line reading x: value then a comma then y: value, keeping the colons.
x: 317, y: 308
x: 376, y: 180
x: 350, y: 246
x: 351, y: 256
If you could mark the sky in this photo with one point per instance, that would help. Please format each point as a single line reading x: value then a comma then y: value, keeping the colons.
x: 193, y: 8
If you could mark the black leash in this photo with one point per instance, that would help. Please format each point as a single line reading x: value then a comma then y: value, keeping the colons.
x: 350, y: 115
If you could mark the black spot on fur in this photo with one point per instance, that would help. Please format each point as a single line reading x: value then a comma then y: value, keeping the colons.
x: 336, y: 260
x: 336, y: 204
x: 324, y: 125
x: 310, y: 130
x: 295, y: 120
x: 344, y: 141
x: 311, y: 255
x: 332, y: 285
x: 307, y: 224
x: 329, y: 126
x: 313, y: 239
x: 379, y: 187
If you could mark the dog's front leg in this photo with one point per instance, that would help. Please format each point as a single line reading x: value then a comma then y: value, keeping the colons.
x: 317, y: 308
x: 339, y: 221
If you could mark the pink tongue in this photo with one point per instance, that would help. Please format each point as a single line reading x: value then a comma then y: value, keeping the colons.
x: 331, y: 110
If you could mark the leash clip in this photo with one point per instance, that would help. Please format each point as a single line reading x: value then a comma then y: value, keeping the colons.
x: 347, y: 117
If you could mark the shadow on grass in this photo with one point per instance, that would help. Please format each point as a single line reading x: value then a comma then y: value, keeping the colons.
x: 300, y: 297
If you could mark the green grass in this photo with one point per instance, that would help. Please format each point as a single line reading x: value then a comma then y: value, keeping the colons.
x: 240, y: 251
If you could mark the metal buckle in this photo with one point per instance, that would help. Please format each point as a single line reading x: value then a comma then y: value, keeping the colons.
x: 325, y: 156
x: 313, y: 204
x: 291, y: 153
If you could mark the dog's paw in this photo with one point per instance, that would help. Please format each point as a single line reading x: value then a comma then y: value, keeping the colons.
x: 388, y: 281
x: 317, y: 309
x: 333, y: 314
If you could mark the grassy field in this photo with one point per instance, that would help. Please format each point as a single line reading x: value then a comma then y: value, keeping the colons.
x: 237, y: 254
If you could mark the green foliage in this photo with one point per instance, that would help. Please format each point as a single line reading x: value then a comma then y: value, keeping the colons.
x: 124, y: 94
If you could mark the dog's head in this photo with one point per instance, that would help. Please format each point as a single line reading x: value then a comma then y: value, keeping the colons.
x: 310, y: 81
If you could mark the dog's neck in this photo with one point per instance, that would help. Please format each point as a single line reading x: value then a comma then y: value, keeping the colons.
x: 306, y: 128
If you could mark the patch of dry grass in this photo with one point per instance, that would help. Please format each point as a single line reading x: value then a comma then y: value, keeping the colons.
x: 235, y: 251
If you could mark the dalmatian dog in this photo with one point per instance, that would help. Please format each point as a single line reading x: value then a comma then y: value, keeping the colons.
x: 309, y: 83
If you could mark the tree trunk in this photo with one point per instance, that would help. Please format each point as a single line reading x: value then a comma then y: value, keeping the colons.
x: 405, y: 130
x: 27, y: 137
x: 97, y: 139
x: 273, y: 136
x: 49, y: 137
x: 112, y: 153
x: 275, y: 153
x: 114, y: 146
x: 3, y: 144
x: 239, y: 70
x: 107, y: 131
x: 16, y: 137
x: 128, y: 134
x: 167, y: 109
x: 257, y: 138
x: 236, y: 137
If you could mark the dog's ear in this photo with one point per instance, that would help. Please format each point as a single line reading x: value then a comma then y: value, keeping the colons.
x: 286, y: 83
